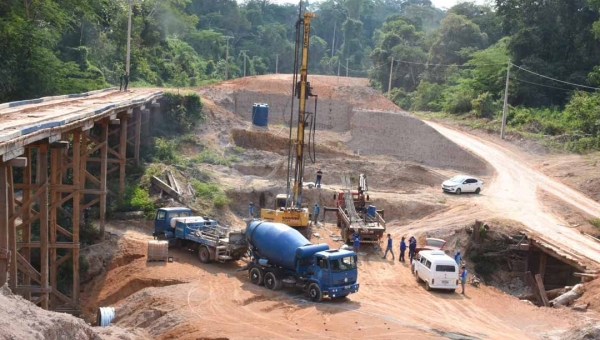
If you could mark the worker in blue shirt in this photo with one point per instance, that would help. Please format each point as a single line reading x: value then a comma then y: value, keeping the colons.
x: 463, y: 279
x: 412, y: 247
x: 356, y: 244
x: 251, y: 209
x: 457, y: 257
x: 402, y: 249
x: 316, y: 212
x: 389, y: 248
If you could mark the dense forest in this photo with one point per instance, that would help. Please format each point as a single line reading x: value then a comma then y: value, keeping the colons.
x: 453, y: 60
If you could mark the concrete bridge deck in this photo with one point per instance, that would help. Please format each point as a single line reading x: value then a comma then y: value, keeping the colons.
x: 55, y: 156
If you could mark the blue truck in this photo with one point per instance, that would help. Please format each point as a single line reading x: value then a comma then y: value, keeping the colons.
x: 203, y: 235
x: 280, y: 256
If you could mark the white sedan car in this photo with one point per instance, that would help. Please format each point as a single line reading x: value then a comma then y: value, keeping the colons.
x: 460, y: 184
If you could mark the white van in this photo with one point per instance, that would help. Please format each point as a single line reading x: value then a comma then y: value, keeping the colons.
x: 437, y: 269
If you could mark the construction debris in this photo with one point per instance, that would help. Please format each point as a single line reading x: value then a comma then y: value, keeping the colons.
x: 166, y: 188
x: 581, y: 308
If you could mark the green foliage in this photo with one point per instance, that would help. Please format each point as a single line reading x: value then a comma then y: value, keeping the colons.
x: 211, y: 157
x: 428, y: 96
x: 595, y: 222
x: 457, y: 99
x: 484, y: 106
x: 211, y: 192
x: 183, y: 112
x: 135, y: 198
x: 165, y: 150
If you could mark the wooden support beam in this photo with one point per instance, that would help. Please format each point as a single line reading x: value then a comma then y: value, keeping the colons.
x: 138, y: 136
x: 19, y: 162
x: 4, y: 212
x: 542, y: 290
x: 103, y: 163
x: 34, y: 289
x: 57, y: 245
x: 63, y: 144
x: 56, y: 200
x: 26, y: 212
x: 12, y: 235
x: 28, y: 269
x: 542, y: 267
x: 43, y: 204
x: 122, y: 153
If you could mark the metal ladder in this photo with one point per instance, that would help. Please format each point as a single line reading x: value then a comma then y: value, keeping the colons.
x: 349, y: 203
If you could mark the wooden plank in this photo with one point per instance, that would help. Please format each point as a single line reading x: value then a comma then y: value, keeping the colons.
x: 57, y: 245
x: 561, y: 257
x: 593, y: 276
x: 4, y: 215
x: 33, y: 289
x: 519, y: 247
x: 534, y: 287
x: 542, y: 290
x: 19, y: 162
x: 165, y: 187
x: 28, y: 269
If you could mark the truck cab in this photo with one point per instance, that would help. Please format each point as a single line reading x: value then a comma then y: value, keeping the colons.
x: 162, y: 221
x: 336, y: 274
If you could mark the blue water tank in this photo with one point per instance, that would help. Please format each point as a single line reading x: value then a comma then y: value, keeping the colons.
x: 371, y: 210
x: 280, y: 244
x: 260, y: 114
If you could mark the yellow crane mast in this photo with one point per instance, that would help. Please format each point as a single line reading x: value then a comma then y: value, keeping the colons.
x: 288, y: 207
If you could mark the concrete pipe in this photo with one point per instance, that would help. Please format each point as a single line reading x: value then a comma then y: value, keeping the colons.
x: 105, y: 316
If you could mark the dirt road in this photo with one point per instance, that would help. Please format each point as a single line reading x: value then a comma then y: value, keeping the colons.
x: 513, y: 192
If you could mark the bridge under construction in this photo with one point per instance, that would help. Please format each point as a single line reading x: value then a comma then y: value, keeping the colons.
x: 55, y: 155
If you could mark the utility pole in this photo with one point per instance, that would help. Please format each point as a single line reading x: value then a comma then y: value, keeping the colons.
x: 390, y: 83
x: 333, y: 44
x: 128, y: 57
x: 227, y: 57
x: 347, y: 67
x: 276, y: 63
x: 244, y: 51
x: 338, y: 78
x: 505, y: 108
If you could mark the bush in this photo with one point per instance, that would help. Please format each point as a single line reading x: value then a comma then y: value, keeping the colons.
x: 134, y: 198
x: 185, y: 111
x: 484, y: 106
x: 428, y: 96
x: 595, y: 222
x: 457, y: 99
x: 401, y: 98
x: 166, y: 150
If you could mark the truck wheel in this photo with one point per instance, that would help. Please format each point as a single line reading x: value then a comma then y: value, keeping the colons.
x: 272, y: 282
x: 314, y: 293
x: 256, y: 276
x: 204, y: 255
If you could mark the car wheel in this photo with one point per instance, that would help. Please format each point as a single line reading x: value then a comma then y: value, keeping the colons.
x: 204, y: 255
x: 256, y: 276
x: 427, y: 287
x: 417, y: 276
x: 478, y: 191
x: 314, y: 293
x: 458, y: 191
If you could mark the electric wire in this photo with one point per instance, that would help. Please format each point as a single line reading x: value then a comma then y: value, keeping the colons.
x: 554, y: 79
x: 532, y: 83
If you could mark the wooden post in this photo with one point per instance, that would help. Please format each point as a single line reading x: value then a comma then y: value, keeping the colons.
x: 76, y: 218
x: 542, y: 290
x: 103, y: 163
x: 542, y: 268
x: 12, y: 233
x: 43, y: 204
x: 4, y: 212
x: 138, y: 132
x: 26, y: 229
x: 83, y: 168
x: 534, y: 287
x: 122, y: 152
x: 55, y: 196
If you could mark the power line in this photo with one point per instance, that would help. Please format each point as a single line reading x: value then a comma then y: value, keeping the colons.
x: 447, y: 65
x: 532, y: 83
x: 557, y: 80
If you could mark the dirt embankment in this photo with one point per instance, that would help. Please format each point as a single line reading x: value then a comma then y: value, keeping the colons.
x: 21, y: 319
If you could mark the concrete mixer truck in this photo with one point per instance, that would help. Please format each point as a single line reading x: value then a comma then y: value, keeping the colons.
x: 281, y: 256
